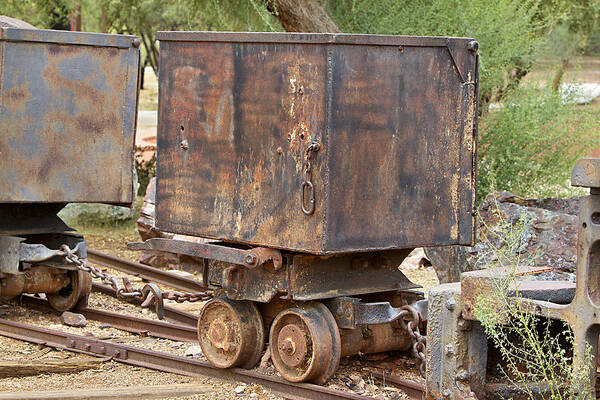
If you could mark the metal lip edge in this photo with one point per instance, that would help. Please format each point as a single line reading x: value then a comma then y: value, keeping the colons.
x: 308, y: 38
x: 67, y: 37
x: 175, y: 229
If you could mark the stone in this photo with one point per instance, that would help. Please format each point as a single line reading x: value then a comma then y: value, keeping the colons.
x: 193, y: 351
x: 239, y: 389
x: 547, y: 237
x: 73, y: 319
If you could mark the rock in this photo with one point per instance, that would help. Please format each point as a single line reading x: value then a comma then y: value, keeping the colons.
x: 253, y: 395
x: 536, y: 232
x: 194, y: 351
x: 239, y: 389
x: 73, y: 319
x: 415, y: 260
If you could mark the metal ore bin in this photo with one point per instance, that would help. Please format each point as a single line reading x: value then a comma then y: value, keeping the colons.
x: 68, y: 103
x: 393, y: 120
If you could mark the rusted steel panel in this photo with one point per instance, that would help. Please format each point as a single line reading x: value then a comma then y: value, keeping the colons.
x: 395, y: 117
x: 67, y: 116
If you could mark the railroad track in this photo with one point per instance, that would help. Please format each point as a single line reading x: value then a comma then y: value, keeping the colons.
x: 184, y: 329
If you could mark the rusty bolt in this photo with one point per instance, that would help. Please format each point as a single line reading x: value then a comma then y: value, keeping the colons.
x: 447, y: 394
x: 251, y: 259
x: 449, y: 350
x: 135, y: 42
x: 184, y: 144
x: 287, y: 346
x: 116, y: 353
x: 473, y: 46
x: 451, y: 304
x: 400, y: 49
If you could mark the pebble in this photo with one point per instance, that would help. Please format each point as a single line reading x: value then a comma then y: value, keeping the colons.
x: 194, y: 351
x: 73, y: 319
x: 239, y: 389
x: 253, y: 395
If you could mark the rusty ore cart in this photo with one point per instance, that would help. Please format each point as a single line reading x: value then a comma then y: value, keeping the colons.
x: 313, y: 164
x: 67, y: 124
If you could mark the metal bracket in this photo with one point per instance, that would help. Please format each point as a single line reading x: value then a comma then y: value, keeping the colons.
x: 249, y: 258
x: 350, y: 312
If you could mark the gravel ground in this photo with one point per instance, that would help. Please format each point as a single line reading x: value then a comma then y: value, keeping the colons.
x: 353, y: 375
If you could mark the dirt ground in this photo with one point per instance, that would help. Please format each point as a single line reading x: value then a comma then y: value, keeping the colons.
x: 354, y: 374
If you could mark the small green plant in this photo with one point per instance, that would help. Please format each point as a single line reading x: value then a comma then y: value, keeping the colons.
x: 533, y: 350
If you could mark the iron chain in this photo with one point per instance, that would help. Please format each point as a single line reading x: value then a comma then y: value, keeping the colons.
x: 148, y: 295
x: 410, y: 322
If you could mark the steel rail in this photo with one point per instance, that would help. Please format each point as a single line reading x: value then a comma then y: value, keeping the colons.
x: 166, y: 362
x: 144, y: 271
x: 171, y: 314
x: 126, y: 323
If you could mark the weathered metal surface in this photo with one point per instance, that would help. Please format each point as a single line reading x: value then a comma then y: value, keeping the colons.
x: 586, y: 173
x: 395, y: 118
x: 313, y: 277
x: 305, y: 343
x: 231, y: 333
x: 10, y: 251
x: 29, y: 219
x: 67, y: 116
x: 456, y: 348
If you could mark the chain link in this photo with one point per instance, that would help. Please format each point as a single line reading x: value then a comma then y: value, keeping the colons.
x: 307, y: 184
x: 148, y: 295
x: 410, y: 322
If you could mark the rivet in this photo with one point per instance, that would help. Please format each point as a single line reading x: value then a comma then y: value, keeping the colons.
x: 135, y: 42
x: 451, y: 304
x: 400, y: 48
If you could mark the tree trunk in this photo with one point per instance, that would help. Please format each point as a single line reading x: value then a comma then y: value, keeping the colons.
x: 302, y: 15
x: 559, y: 74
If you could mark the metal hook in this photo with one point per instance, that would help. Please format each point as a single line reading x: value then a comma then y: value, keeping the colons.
x: 151, y: 293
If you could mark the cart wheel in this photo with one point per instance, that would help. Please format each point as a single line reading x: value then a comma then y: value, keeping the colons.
x: 231, y: 333
x: 305, y: 343
x: 74, y: 294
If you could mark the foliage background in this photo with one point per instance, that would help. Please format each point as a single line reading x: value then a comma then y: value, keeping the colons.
x: 528, y: 142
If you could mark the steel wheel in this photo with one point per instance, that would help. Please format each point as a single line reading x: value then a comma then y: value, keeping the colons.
x: 305, y: 343
x: 231, y: 333
x: 75, y: 293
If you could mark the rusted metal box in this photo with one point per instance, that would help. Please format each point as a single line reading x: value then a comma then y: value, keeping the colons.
x: 68, y: 103
x: 395, y: 118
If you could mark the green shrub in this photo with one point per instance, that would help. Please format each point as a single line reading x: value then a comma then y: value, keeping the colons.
x: 529, y: 146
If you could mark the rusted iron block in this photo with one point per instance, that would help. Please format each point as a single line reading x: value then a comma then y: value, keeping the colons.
x: 486, y: 282
x: 586, y: 173
x: 456, y: 347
